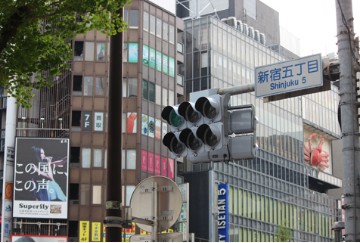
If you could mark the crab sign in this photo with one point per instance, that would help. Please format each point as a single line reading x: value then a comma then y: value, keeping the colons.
x: 314, y: 154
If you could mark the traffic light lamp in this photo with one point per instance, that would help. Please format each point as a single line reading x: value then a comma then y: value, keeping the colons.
x: 171, y: 140
x: 171, y: 115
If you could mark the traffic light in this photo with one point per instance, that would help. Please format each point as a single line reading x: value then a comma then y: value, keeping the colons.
x: 171, y: 139
x: 207, y: 129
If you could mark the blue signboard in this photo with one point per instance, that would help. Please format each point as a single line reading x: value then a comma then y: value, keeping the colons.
x: 223, y: 212
x: 294, y: 75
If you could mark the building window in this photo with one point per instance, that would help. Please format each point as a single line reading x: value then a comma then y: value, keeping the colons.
x: 74, y: 154
x: 132, y: 84
x: 100, y: 52
x: 158, y: 27
x: 129, y: 162
x: 99, y: 87
x: 88, y: 86
x: 79, y: 51
x: 84, y: 194
x: 148, y: 90
x: 152, y: 24
x: 73, y: 192
x: 165, y: 32
x: 85, y: 157
x: 89, y: 51
x: 171, y: 34
x: 133, y: 18
x: 97, y: 157
x: 146, y: 21
x: 76, y: 119
x: 96, y: 195
x: 77, y: 85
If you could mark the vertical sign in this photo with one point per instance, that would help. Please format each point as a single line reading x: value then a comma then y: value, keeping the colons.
x: 95, y: 231
x: 41, y: 178
x: 223, y: 212
x: 84, y: 231
x: 98, y: 121
x: 86, y: 121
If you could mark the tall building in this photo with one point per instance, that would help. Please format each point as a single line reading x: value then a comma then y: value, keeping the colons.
x: 74, y: 111
x: 280, y: 190
x: 164, y: 60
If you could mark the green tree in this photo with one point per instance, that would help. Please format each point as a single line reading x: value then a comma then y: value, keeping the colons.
x: 35, y: 38
x: 283, y: 234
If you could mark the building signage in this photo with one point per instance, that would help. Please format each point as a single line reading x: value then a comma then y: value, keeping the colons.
x: 41, y: 178
x: 84, y: 231
x: 223, y: 212
x: 87, y: 121
x: 289, y: 76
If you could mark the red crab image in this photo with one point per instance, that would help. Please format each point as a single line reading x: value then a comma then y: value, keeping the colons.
x: 314, y: 155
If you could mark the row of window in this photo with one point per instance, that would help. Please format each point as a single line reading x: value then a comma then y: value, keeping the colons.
x: 158, y: 27
x: 88, y: 53
x: 88, y: 85
x: 248, y: 204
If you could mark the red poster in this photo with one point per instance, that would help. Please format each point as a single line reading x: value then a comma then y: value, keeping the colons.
x: 171, y: 172
x: 157, y: 164
x: 144, y: 160
x: 164, y: 166
x: 151, y: 162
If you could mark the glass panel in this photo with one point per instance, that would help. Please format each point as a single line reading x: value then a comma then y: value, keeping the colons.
x: 84, y: 194
x: 100, y: 52
x: 96, y: 195
x: 131, y: 159
x: 99, y: 88
x: 88, y: 86
x: 85, y: 157
x: 97, y: 157
x: 89, y: 51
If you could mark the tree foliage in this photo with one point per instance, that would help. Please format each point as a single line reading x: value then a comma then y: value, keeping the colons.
x: 283, y: 234
x: 35, y: 38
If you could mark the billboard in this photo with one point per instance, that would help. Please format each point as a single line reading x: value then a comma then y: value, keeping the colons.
x: 41, y: 178
x: 38, y: 238
x: 289, y: 76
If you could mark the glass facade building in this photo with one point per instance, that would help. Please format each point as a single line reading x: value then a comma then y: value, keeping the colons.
x: 277, y: 188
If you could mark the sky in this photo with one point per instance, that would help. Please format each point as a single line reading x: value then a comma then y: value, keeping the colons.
x: 313, y: 22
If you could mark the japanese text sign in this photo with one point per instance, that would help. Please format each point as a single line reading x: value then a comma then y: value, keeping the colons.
x: 302, y: 73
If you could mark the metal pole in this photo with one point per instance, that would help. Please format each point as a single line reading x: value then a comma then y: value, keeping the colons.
x: 114, y: 190
x: 349, y: 122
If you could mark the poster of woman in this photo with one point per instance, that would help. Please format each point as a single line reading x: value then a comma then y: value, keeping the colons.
x: 41, y: 177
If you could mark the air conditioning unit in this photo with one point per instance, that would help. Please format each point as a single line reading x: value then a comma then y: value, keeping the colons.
x: 257, y: 35
x: 262, y: 38
x: 251, y: 32
x: 246, y: 29
x: 239, y: 26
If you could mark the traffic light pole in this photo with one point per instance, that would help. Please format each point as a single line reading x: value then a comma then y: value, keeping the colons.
x: 113, y: 219
x: 349, y: 122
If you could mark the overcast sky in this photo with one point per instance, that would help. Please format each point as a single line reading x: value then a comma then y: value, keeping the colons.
x: 313, y: 22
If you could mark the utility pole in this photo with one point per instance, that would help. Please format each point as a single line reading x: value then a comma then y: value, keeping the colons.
x: 349, y: 121
x: 114, y: 146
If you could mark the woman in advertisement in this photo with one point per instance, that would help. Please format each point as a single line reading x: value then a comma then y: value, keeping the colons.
x: 50, y: 191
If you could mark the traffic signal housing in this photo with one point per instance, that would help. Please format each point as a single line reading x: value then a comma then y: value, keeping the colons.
x: 207, y: 129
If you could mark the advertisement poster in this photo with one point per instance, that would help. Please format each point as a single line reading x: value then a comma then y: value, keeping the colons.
x: 84, y: 231
x: 99, y: 121
x: 151, y: 126
x: 38, y: 238
x: 131, y: 122
x: 95, y: 231
x: 157, y: 129
x: 171, y: 172
x: 151, y: 161
x: 144, y: 125
x: 157, y: 164
x: 41, y: 178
